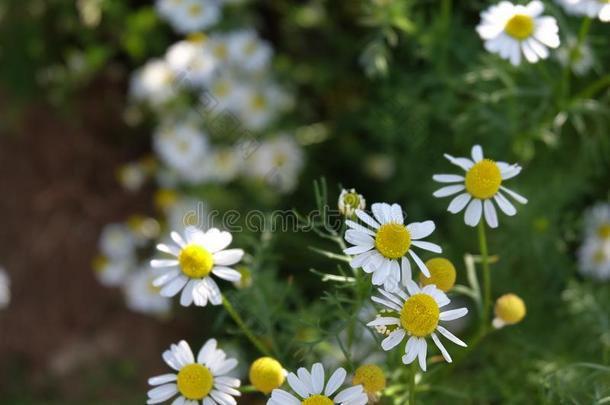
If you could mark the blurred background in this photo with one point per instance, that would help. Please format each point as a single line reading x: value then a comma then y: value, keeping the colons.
x: 119, y: 117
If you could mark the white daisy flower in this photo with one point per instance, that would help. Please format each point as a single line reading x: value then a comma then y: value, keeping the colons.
x: 313, y: 389
x: 259, y: 105
x: 168, y: 9
x: 218, y: 44
x: 153, y: 83
x: 5, y: 289
x: 384, y: 250
x: 597, y: 222
x: 191, y: 61
x: 117, y: 242
x: 201, y: 381
x: 590, y: 8
x: 142, y: 296
x: 248, y: 51
x: 481, y: 185
x: 197, y: 256
x: 225, y: 163
x: 511, y: 30
x: 594, y: 259
x: 417, y: 314
x: 180, y: 146
x: 224, y: 93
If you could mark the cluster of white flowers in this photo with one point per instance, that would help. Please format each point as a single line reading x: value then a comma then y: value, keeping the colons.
x: 594, y: 252
x: 211, y: 89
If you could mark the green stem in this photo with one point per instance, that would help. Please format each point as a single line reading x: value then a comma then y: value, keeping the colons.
x: 486, y: 274
x: 412, y: 383
x: 244, y: 328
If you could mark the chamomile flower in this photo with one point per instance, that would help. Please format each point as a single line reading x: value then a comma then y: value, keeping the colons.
x: 259, y: 105
x: 203, y: 380
x: 142, y: 296
x: 384, y: 249
x: 168, y: 9
x: 5, y: 289
x: 482, y: 185
x: 180, y: 146
x: 112, y: 273
x: 313, y: 389
x: 509, y: 310
x: 224, y: 93
x: 597, y: 222
x: 594, y: 259
x: 191, y: 61
x: 576, y: 56
x: 194, y: 15
x: 278, y: 161
x: 197, y: 256
x: 132, y: 176
x: 590, y: 8
x: 154, y: 83
x: 225, y: 164
x: 350, y: 201
x: 417, y: 314
x: 248, y: 51
x: 117, y: 242
x: 511, y: 31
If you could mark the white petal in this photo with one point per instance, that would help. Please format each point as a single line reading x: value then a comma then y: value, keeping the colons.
x: 357, y: 227
x: 393, y: 339
x: 366, y: 218
x: 448, y: 190
x: 448, y: 178
x: 419, y: 263
x: 348, y: 394
x: 186, y: 297
x: 518, y: 197
x: 396, y: 213
x: 464, y: 163
x: 477, y: 153
x: 440, y: 346
x: 490, y: 214
x: 422, y: 353
x: 226, y: 273
x: 228, y: 257
x: 317, y: 378
x: 163, y: 263
x: 473, y: 213
x: 358, y: 249
x: 406, y: 270
x: 335, y: 381
x: 171, y: 250
x: 453, y: 314
x: 178, y: 239
x: 381, y: 321
x: 458, y: 203
x: 284, y: 398
x: 206, y: 351
x: 162, y: 379
x: 297, y: 385
x: 506, y: 206
x: 432, y: 247
x: 412, y: 287
x: 410, y: 350
x: 420, y: 230
x: 172, y: 288
x: 450, y: 336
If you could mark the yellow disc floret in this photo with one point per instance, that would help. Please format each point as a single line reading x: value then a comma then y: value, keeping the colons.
x: 195, y: 381
x: 371, y: 377
x: 419, y: 315
x: 266, y: 374
x: 483, y: 180
x: 510, y: 309
x: 520, y: 26
x: 604, y: 231
x: 318, y: 400
x: 393, y: 240
x: 442, y: 274
x: 195, y: 261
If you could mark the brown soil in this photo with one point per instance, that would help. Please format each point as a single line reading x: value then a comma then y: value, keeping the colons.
x: 65, y: 338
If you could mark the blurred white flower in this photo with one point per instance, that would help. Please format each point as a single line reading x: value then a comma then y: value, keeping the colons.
x: 117, y: 242
x: 260, y: 105
x: 578, y: 57
x: 141, y: 296
x: 153, y: 83
x: 594, y: 259
x: 112, y: 272
x: 187, y: 211
x: 278, y: 161
x: 132, y: 176
x: 597, y: 222
x: 590, y: 8
x: 180, y: 146
x: 248, y: 51
x: 191, y: 61
x: 225, y: 163
x: 511, y: 31
x: 5, y: 289
x: 187, y: 16
x: 224, y: 93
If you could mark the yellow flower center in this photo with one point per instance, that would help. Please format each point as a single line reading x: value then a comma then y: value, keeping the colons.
x: 165, y: 198
x: 195, y: 10
x: 599, y: 256
x: 196, y: 37
x: 520, y: 26
x: 318, y: 400
x: 371, y: 377
x: 419, y: 315
x: 220, y: 51
x: 259, y: 102
x: 266, y: 374
x: 195, y: 261
x: 442, y: 274
x: 483, y: 180
x: 195, y: 381
x: 510, y: 309
x: 352, y: 200
x: 222, y: 89
x: 604, y: 230
x: 393, y: 240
